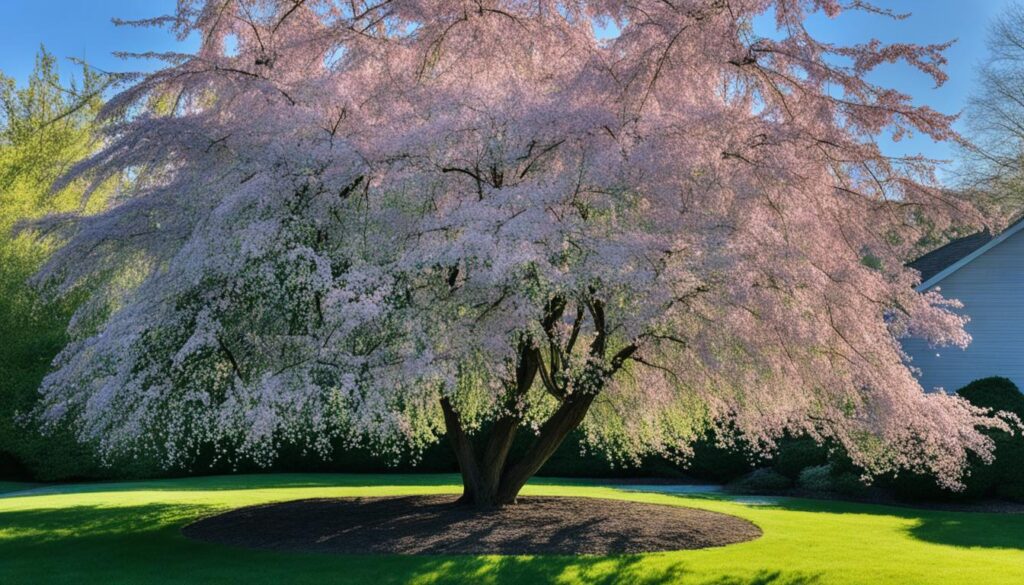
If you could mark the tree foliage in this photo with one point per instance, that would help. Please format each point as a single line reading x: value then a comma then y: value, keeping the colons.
x: 46, y: 126
x: 389, y: 220
x: 993, y: 164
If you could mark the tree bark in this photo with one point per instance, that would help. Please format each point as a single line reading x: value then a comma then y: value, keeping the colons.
x: 552, y: 434
x: 462, y: 446
x: 489, y: 479
x: 482, y: 472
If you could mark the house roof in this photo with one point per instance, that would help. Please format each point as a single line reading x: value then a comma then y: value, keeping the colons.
x: 939, y: 259
x: 941, y: 262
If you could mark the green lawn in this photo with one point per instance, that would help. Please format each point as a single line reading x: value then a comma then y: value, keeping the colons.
x: 14, y: 486
x: 128, y: 533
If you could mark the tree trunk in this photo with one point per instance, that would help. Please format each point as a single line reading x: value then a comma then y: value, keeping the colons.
x: 552, y: 434
x: 490, y: 481
x: 464, y: 453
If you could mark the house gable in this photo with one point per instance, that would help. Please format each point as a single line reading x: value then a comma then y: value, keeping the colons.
x: 989, y: 282
x: 958, y: 254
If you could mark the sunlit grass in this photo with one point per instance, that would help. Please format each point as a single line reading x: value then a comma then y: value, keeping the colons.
x: 129, y: 533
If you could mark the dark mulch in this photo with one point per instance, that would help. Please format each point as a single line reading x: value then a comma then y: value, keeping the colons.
x: 435, y: 525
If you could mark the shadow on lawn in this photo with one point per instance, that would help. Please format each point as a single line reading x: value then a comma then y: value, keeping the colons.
x: 44, y: 525
x: 973, y: 530
x: 7, y: 487
x: 963, y: 529
x: 767, y: 578
x: 95, y: 544
x: 597, y: 570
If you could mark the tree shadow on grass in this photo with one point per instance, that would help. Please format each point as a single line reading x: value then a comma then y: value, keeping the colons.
x: 968, y: 529
x: 44, y: 525
x: 962, y: 529
x: 130, y: 544
x: 596, y: 570
x: 7, y: 487
x: 767, y: 578
x: 635, y: 569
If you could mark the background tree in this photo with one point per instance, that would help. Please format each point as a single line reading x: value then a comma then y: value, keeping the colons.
x: 993, y: 165
x: 389, y: 220
x: 45, y: 127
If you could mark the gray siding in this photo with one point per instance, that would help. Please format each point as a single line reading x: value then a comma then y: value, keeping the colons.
x: 991, y: 288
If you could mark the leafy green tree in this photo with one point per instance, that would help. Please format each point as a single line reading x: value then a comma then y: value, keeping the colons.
x: 46, y: 126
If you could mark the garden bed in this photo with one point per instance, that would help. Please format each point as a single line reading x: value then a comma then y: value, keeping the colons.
x: 435, y: 525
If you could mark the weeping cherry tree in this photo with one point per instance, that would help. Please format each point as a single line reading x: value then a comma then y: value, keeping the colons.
x: 382, y: 222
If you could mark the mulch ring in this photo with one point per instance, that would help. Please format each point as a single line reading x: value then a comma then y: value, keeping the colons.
x: 434, y: 525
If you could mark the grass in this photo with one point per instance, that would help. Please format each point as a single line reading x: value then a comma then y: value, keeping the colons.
x: 129, y: 533
x: 14, y: 486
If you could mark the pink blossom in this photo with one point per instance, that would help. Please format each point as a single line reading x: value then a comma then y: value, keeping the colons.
x: 373, y: 205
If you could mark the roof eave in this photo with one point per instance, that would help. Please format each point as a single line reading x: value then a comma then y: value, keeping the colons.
x: 931, y: 282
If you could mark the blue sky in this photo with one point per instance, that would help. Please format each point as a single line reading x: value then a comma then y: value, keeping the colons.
x: 83, y: 29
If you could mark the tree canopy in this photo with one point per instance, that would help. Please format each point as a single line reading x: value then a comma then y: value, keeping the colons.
x: 46, y: 126
x: 388, y: 220
x: 993, y: 165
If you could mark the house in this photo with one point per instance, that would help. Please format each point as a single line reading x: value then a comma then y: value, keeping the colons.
x: 986, y: 273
